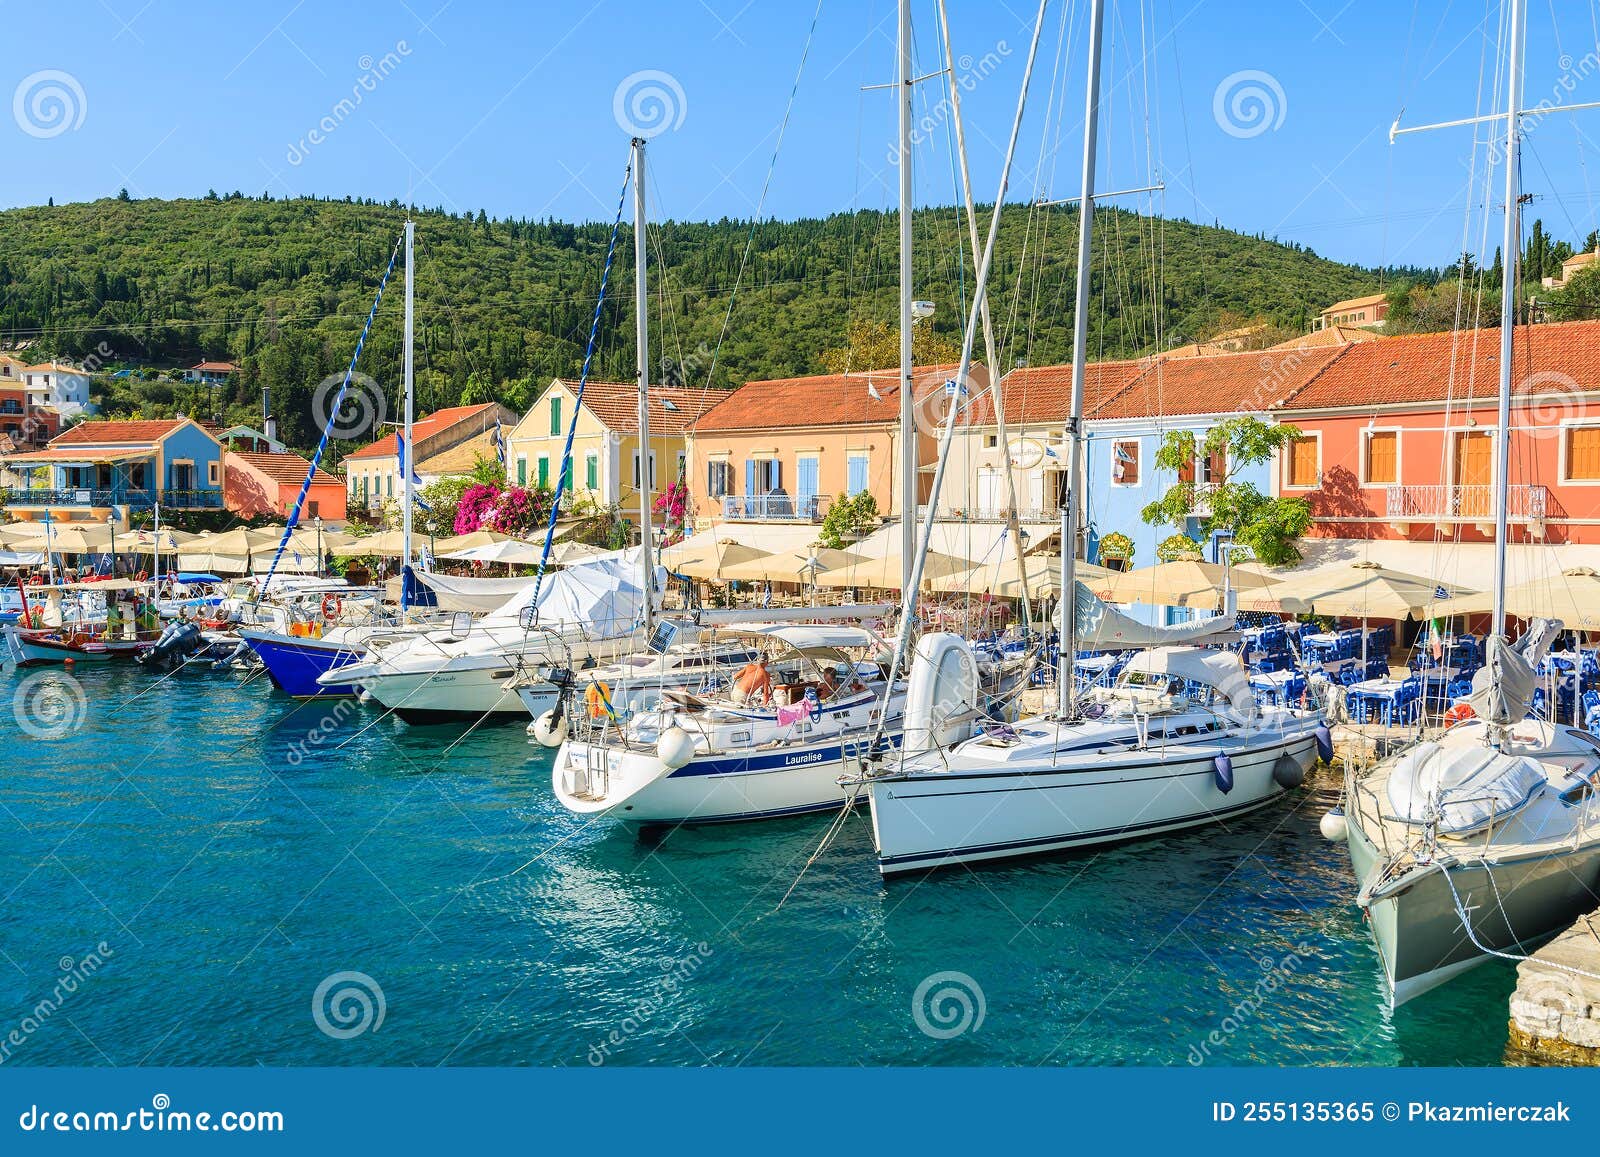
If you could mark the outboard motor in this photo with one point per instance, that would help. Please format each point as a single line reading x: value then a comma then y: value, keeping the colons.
x: 942, y: 693
x: 176, y: 643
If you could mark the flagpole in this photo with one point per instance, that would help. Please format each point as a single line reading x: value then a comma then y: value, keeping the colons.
x: 406, y: 470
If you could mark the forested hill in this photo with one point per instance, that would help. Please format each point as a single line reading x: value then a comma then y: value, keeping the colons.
x: 282, y: 287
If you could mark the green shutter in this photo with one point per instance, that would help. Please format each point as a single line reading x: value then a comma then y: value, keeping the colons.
x: 544, y: 473
x: 522, y: 471
x: 592, y: 472
x: 555, y: 415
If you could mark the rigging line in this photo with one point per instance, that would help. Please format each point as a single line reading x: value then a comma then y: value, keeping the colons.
x: 766, y: 184
x: 333, y: 413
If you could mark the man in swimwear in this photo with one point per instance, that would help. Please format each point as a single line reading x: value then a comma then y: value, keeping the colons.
x: 753, y: 679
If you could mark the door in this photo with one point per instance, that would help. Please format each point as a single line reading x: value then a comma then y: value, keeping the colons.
x: 1473, y: 474
x: 989, y: 500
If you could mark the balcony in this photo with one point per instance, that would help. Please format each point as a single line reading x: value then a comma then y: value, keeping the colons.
x: 993, y: 514
x: 88, y: 496
x: 775, y: 507
x: 1525, y: 504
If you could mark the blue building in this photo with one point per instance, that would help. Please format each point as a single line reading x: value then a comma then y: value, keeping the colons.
x: 100, y: 469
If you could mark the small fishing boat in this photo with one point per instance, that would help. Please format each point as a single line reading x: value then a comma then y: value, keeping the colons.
x: 696, y: 760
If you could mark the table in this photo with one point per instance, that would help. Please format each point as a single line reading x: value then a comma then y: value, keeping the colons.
x: 1382, y: 694
x: 1276, y: 686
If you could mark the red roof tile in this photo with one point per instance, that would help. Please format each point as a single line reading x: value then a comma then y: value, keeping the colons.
x: 673, y: 409
x: 421, y: 428
x: 282, y: 467
x: 1043, y: 394
x: 99, y: 433
x: 1251, y: 382
x: 1459, y: 366
x: 821, y: 400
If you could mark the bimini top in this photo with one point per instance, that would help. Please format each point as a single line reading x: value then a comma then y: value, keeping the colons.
x: 812, y: 637
x: 1221, y: 670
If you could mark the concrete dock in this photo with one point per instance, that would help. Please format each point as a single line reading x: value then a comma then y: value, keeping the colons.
x: 1555, y: 1011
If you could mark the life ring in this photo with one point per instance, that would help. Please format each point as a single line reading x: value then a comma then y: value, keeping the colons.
x: 1459, y: 713
x: 598, y: 700
x: 332, y: 604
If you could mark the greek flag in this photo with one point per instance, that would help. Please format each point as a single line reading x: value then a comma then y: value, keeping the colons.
x: 409, y: 481
x: 499, y: 443
x: 1440, y: 593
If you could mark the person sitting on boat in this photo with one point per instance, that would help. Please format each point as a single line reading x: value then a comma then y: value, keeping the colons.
x: 829, y: 684
x: 114, y: 619
x: 752, y: 680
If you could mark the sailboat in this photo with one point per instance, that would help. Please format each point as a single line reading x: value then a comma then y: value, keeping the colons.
x: 1177, y: 743
x: 1485, y: 841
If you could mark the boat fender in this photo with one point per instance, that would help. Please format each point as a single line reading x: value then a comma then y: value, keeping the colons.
x: 1224, y: 769
x: 1287, y: 772
x: 1324, y: 743
x: 675, y: 747
x: 1334, y: 826
x: 550, y: 728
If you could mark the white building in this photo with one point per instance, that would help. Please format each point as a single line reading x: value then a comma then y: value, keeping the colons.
x: 64, y: 387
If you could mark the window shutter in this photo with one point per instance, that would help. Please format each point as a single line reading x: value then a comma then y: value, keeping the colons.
x: 750, y: 476
x: 1382, y: 459
x: 1583, y: 454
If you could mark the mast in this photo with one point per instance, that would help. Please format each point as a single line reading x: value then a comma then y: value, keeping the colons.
x: 1511, y: 247
x: 408, y: 466
x: 641, y: 302
x: 1013, y: 527
x: 908, y: 425
x: 1080, y: 350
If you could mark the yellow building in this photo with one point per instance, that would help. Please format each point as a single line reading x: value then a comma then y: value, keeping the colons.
x: 605, y: 446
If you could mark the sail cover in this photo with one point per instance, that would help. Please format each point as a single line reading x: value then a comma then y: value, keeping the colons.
x: 1101, y: 627
x: 1502, y: 691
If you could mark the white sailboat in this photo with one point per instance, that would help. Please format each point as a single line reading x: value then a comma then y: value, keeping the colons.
x: 1177, y: 743
x: 1486, y: 841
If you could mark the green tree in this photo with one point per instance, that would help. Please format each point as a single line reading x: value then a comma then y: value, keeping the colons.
x: 1269, y: 526
x: 875, y: 345
x: 848, y: 519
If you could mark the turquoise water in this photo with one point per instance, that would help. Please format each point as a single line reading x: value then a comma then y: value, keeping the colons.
x: 230, y: 862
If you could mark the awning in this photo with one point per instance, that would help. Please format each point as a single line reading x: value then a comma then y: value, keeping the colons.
x: 64, y: 457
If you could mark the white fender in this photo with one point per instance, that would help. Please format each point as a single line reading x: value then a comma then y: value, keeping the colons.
x: 675, y: 747
x: 942, y: 693
x: 550, y: 728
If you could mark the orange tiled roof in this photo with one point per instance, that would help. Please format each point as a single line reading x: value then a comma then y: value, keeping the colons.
x: 283, y: 467
x: 820, y: 400
x: 421, y: 428
x: 99, y: 433
x: 1250, y: 382
x: 1459, y: 366
x: 1034, y: 395
x: 219, y: 367
x: 1328, y: 335
x: 1356, y: 302
x: 673, y: 409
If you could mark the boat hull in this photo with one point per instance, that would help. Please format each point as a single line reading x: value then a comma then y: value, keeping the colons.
x: 32, y: 650
x: 294, y: 665
x: 934, y: 820
x: 451, y: 695
x: 1514, y: 906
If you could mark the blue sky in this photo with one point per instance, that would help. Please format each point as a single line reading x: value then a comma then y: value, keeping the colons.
x: 512, y: 107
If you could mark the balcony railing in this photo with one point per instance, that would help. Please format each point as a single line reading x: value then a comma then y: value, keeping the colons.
x: 137, y: 499
x: 993, y: 513
x: 1524, y: 503
x: 775, y: 507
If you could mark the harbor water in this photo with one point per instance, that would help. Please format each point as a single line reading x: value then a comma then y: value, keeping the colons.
x: 228, y: 877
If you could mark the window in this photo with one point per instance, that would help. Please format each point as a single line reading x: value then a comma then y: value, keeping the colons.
x: 719, y: 479
x: 990, y: 441
x: 1125, y: 462
x: 683, y: 468
x: 591, y: 471
x: 762, y: 476
x: 389, y: 484
x: 544, y: 471
x: 1211, y: 467
x: 636, y: 482
x: 1383, y: 458
x: 555, y: 415
x: 855, y: 474
x: 522, y: 469
x: 313, y: 508
x: 1305, y: 465
x: 1583, y: 453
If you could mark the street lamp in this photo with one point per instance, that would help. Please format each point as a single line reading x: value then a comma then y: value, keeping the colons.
x: 316, y: 521
x: 111, y: 522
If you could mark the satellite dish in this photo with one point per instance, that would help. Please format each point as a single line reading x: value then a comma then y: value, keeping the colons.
x: 921, y: 309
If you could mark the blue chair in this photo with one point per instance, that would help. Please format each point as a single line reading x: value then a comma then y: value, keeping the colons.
x: 1591, y: 711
